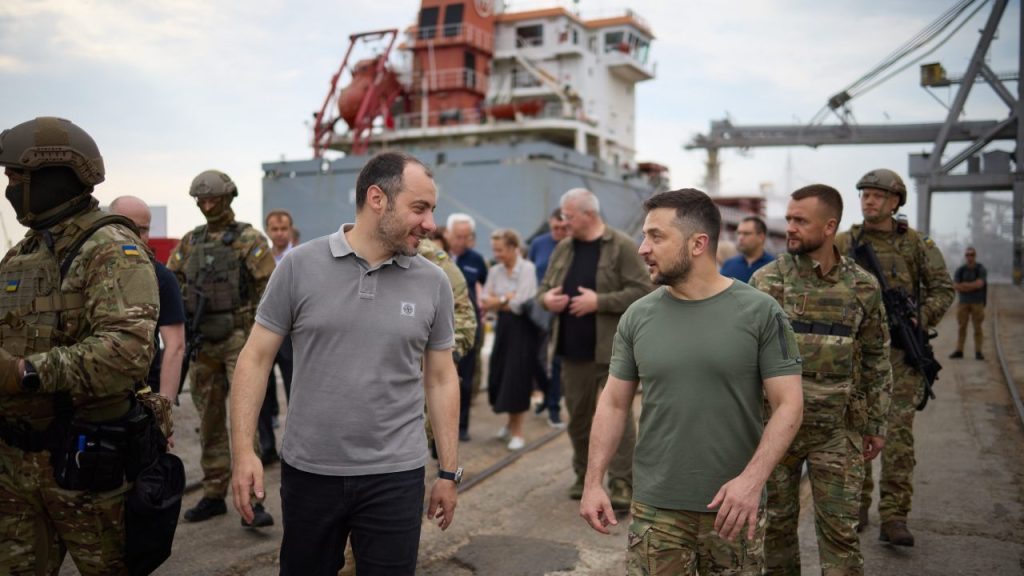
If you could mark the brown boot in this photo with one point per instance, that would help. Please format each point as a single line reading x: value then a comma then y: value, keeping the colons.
x: 862, y: 519
x: 895, y: 532
x: 576, y: 490
x: 620, y: 493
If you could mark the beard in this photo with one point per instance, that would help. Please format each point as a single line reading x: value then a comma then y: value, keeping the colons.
x: 391, y: 233
x: 805, y: 246
x: 676, y: 273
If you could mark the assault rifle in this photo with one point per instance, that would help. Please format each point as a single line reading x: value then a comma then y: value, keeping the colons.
x: 902, y: 310
x: 193, y: 335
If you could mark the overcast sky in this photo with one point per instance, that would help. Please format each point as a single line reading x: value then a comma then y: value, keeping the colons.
x: 169, y: 89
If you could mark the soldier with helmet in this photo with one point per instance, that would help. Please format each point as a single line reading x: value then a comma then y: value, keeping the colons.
x: 836, y: 311
x: 223, y: 267
x: 78, y: 309
x: 913, y: 262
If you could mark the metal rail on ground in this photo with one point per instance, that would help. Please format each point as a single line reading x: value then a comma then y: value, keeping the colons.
x: 508, y: 460
x: 1007, y: 376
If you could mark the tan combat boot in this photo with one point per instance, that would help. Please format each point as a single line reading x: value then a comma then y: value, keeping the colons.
x: 895, y: 532
x: 620, y: 493
x: 576, y: 490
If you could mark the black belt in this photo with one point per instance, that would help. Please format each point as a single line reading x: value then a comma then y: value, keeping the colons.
x: 24, y: 437
x: 821, y: 328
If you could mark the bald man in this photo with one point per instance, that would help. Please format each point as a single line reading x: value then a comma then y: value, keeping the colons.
x: 165, y: 372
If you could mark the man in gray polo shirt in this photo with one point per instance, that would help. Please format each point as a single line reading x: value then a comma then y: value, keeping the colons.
x: 371, y: 325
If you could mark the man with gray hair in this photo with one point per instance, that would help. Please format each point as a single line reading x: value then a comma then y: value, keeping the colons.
x: 461, y: 236
x: 592, y: 277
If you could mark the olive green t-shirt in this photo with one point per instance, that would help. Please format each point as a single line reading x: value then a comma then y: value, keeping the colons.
x: 702, y: 364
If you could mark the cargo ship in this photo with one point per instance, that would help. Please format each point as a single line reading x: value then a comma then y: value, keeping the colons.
x: 510, y: 108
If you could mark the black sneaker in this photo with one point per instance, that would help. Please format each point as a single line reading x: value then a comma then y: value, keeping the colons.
x: 260, y: 518
x: 957, y: 354
x: 206, y: 508
x: 464, y: 436
x: 979, y: 356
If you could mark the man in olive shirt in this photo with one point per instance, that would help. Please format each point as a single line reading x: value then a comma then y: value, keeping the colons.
x: 708, y: 350
x: 971, y: 282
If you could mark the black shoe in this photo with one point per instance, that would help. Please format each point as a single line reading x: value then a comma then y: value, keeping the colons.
x: 464, y: 436
x: 269, y: 458
x: 979, y: 356
x: 260, y: 518
x: 957, y: 354
x: 206, y: 508
x: 540, y: 408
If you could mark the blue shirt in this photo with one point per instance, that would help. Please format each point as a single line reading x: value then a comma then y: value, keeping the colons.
x: 474, y: 268
x: 540, y: 253
x: 737, y: 267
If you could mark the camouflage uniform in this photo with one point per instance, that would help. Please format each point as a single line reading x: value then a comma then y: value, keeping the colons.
x: 214, y: 368
x: 89, y: 335
x: 912, y: 262
x: 843, y: 337
x: 672, y: 542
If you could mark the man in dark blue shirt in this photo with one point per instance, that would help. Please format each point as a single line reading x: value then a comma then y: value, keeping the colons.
x: 540, y: 253
x: 461, y: 236
x: 165, y: 371
x: 750, y: 239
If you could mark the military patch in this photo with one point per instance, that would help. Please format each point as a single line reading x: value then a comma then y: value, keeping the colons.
x: 130, y: 249
x: 929, y: 242
x: 441, y: 255
x: 257, y: 252
x: 12, y: 285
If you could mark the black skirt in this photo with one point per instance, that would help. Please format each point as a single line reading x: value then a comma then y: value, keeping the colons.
x: 513, y: 358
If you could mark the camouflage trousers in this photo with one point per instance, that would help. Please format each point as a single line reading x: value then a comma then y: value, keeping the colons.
x: 896, y: 485
x: 210, y: 376
x: 40, y: 522
x: 673, y: 542
x: 835, y: 464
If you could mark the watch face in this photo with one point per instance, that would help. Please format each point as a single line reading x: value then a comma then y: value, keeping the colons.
x: 458, y: 475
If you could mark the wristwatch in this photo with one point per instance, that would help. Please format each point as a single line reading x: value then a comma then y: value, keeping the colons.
x: 30, y: 381
x: 453, y: 476
x: 504, y: 300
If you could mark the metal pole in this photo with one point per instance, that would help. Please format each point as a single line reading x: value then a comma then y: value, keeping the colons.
x: 1018, y: 175
x: 924, y: 206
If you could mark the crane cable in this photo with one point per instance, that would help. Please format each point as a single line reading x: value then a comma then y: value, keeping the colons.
x: 929, y: 33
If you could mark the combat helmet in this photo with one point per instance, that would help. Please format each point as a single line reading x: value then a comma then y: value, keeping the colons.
x: 884, y: 179
x: 212, y: 183
x: 49, y: 141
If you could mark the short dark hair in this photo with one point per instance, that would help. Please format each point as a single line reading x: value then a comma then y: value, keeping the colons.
x: 695, y: 212
x: 385, y: 171
x: 759, y: 225
x: 556, y: 215
x: 827, y: 195
x: 278, y: 213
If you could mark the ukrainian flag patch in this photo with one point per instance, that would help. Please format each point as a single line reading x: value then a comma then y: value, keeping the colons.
x: 257, y: 251
x: 130, y: 249
x: 12, y: 285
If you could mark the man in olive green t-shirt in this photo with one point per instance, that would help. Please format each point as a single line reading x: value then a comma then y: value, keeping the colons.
x: 708, y: 351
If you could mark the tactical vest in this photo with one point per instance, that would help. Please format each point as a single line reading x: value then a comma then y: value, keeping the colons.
x: 36, y: 315
x: 896, y: 257
x: 825, y: 319
x: 215, y: 272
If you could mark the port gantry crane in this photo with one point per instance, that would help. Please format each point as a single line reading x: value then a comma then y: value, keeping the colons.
x: 931, y: 172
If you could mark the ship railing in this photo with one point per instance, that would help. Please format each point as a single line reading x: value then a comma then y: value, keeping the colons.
x: 451, y: 33
x: 449, y: 79
x: 610, y: 13
x: 470, y: 116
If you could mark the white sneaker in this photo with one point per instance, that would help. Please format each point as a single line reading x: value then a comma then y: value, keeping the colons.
x: 516, y: 443
x: 502, y: 433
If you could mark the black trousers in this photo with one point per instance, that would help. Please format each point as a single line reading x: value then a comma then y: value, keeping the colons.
x: 270, y: 408
x: 383, y: 513
x: 466, y: 368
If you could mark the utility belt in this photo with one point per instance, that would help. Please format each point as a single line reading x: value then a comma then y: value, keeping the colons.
x: 821, y: 328
x: 91, y: 456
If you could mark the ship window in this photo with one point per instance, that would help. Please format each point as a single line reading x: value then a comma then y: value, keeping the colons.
x: 530, y: 35
x: 453, y: 20
x: 615, y: 41
x: 469, y: 63
x: 575, y: 36
x: 592, y: 43
x: 428, y: 22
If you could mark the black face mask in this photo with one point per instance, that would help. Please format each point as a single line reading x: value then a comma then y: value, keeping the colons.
x: 55, y: 193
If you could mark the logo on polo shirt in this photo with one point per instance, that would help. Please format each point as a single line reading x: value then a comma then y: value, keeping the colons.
x: 408, y: 309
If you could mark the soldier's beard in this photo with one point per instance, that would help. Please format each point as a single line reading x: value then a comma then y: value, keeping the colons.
x: 391, y: 233
x: 805, y: 247
x: 675, y: 274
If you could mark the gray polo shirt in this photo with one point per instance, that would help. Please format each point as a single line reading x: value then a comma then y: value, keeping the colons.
x: 359, y: 335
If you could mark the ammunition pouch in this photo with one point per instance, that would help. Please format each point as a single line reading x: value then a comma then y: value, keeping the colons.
x: 217, y: 327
